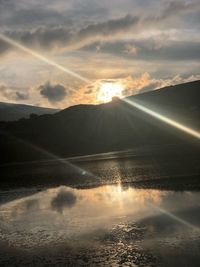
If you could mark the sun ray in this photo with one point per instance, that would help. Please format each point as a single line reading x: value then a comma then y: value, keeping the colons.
x: 42, y: 58
x: 163, y: 118
x: 107, y: 90
x: 49, y: 157
x: 174, y: 217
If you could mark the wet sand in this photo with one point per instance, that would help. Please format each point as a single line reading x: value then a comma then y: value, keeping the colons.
x: 169, y: 168
x: 118, y: 209
x: 103, y: 226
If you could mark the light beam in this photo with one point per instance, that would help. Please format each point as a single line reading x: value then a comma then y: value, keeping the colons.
x: 174, y: 217
x: 135, y: 104
x: 41, y: 57
x: 163, y: 118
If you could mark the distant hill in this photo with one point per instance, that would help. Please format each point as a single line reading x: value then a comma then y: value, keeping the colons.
x: 13, y: 112
x: 88, y: 129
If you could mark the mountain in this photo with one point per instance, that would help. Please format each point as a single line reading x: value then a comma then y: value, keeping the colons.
x: 88, y: 129
x: 13, y: 112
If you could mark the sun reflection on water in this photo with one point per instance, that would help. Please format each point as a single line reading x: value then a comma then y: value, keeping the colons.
x: 69, y: 212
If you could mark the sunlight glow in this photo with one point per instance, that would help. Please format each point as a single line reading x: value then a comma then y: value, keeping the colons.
x: 119, y: 187
x: 163, y: 118
x: 108, y: 90
x: 42, y: 58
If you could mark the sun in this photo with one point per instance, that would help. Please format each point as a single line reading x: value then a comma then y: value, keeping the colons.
x: 108, y: 90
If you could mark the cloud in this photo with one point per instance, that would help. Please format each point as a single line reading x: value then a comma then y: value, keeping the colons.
x: 64, y: 199
x: 158, y: 48
x: 109, y: 28
x: 70, y: 38
x: 131, y: 49
x: 145, y: 83
x: 175, y: 7
x: 21, y: 95
x: 26, y: 14
x: 54, y: 93
x: 10, y: 93
x: 36, y: 16
x: 132, y: 85
x: 64, y: 37
x: 114, y: 42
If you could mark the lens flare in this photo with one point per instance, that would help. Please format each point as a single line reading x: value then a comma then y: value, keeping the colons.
x: 107, y: 92
x: 51, y: 157
x: 41, y: 57
x: 174, y: 217
x: 163, y: 118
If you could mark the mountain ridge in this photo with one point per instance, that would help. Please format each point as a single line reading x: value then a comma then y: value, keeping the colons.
x: 15, y: 111
x: 89, y: 129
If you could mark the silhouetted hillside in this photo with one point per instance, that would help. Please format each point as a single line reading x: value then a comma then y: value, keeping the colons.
x: 181, y: 96
x: 13, y: 112
x: 87, y: 129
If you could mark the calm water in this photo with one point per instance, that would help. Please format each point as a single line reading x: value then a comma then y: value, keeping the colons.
x: 103, y: 226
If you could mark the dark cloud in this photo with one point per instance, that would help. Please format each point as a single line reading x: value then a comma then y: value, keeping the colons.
x: 50, y: 37
x: 64, y: 199
x: 4, y: 47
x: 21, y: 95
x: 110, y: 27
x: 152, y: 49
x: 36, y: 16
x: 30, y: 14
x: 175, y: 7
x: 54, y: 93
x: 69, y: 37
x: 11, y: 94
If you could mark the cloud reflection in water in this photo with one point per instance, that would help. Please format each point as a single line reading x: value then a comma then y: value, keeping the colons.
x: 64, y: 213
x: 64, y: 199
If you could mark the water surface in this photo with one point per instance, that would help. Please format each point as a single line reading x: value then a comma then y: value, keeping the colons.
x: 111, y: 225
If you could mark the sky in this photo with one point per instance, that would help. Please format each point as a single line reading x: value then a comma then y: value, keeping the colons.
x: 74, y: 48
